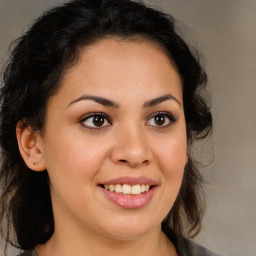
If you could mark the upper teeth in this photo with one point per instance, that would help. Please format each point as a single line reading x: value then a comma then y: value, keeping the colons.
x: 128, y: 189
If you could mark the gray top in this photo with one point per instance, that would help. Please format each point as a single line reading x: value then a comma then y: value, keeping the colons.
x: 185, y: 247
x: 188, y: 247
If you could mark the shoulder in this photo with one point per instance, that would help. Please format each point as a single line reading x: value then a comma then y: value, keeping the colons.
x: 29, y: 253
x: 188, y: 247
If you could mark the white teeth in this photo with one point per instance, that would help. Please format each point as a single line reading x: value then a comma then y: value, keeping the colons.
x: 136, y: 190
x: 118, y: 188
x: 111, y: 188
x: 128, y: 189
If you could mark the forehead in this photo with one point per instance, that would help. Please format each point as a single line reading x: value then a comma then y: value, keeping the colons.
x: 121, y: 65
x: 118, y: 50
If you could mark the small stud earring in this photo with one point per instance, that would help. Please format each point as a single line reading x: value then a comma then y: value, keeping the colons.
x: 35, y: 163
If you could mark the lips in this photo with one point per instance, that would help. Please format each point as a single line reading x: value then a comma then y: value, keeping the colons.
x: 127, y: 189
x: 131, y: 181
x: 128, y: 192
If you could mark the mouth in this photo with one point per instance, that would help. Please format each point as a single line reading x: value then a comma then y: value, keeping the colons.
x: 129, y: 193
x: 126, y: 189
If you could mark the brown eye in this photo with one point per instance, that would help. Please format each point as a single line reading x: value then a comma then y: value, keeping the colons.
x: 95, y: 121
x: 161, y: 119
x: 98, y: 121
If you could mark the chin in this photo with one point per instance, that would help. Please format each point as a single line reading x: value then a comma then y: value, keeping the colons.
x: 129, y: 232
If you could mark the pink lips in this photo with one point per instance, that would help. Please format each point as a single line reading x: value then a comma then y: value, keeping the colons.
x: 131, y: 181
x: 130, y: 201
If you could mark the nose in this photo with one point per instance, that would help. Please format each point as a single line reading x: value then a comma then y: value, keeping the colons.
x: 131, y: 148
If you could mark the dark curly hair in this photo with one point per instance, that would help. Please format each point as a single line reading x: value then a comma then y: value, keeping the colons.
x: 34, y: 72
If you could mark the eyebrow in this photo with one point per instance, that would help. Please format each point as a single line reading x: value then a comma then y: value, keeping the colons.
x: 159, y: 100
x: 110, y: 103
x: 100, y: 100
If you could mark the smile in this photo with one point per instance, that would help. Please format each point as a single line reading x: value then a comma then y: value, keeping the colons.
x: 129, y: 192
x: 128, y: 189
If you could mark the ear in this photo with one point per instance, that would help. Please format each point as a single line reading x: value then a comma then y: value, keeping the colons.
x: 30, y: 147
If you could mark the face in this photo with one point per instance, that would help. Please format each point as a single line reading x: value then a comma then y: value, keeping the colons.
x: 114, y: 142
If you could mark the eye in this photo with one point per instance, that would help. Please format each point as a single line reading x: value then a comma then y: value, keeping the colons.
x: 95, y: 120
x: 161, y: 119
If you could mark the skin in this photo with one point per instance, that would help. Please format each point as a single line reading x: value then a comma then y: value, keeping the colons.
x: 79, y: 156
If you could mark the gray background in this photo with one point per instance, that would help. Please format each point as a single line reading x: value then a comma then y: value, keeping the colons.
x: 225, y: 31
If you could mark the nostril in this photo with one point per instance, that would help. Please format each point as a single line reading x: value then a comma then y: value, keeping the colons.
x: 133, y: 163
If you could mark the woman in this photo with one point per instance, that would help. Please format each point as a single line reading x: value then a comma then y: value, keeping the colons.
x: 101, y: 103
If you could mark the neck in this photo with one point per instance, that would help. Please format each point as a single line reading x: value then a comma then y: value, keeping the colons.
x: 67, y: 243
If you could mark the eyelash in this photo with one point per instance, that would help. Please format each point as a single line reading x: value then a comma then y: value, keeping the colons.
x: 93, y: 115
x: 164, y: 114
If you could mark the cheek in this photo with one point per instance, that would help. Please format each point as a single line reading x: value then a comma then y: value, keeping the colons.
x: 172, y: 160
x: 173, y: 156
x: 74, y: 153
x: 72, y: 166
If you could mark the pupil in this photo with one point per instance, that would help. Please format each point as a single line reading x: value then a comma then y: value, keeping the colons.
x: 160, y: 119
x: 98, y: 120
